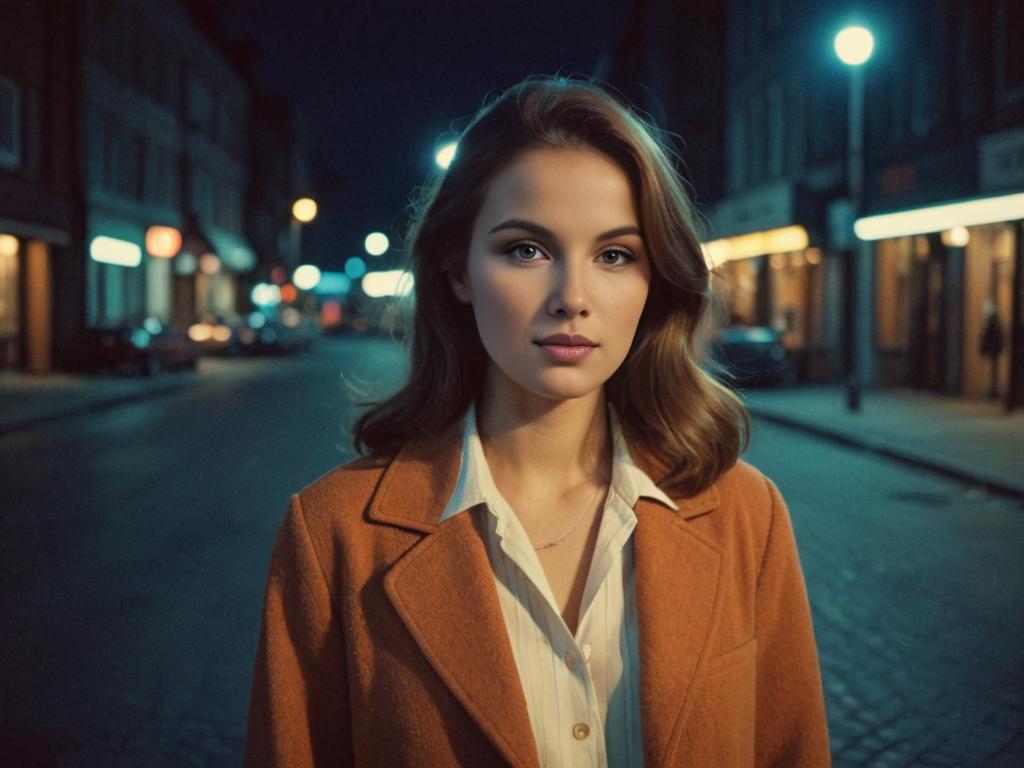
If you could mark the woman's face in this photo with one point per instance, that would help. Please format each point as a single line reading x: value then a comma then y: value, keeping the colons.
x: 556, y: 250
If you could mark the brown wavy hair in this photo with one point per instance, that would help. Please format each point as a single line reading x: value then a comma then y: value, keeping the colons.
x: 668, y: 405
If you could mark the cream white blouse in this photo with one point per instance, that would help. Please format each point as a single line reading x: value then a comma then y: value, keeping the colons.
x: 582, y: 692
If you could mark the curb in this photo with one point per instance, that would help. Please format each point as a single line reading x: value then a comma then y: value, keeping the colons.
x: 992, y: 485
x: 91, y: 406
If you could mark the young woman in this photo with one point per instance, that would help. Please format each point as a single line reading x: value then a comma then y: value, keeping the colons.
x: 551, y: 554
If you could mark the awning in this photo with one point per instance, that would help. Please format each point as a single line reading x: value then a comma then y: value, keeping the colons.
x: 103, y: 224
x: 235, y: 252
x: 769, y: 206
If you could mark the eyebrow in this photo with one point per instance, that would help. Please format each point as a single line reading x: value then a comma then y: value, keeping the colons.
x: 537, y: 229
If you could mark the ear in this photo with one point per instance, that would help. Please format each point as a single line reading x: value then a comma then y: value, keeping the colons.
x: 459, y: 282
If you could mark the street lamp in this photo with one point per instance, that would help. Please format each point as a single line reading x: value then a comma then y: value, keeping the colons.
x: 853, y: 46
x: 444, y: 156
x: 376, y: 243
x: 304, y: 210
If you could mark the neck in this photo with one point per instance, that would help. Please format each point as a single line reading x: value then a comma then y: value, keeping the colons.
x: 544, y: 444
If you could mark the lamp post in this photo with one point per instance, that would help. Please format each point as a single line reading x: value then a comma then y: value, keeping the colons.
x: 304, y: 210
x: 854, y: 45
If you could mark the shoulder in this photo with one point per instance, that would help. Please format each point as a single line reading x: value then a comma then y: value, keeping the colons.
x: 340, y: 494
x: 347, y: 482
x: 744, y: 485
x: 748, y: 505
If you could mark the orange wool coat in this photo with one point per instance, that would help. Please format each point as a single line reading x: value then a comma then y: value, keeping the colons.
x: 383, y: 641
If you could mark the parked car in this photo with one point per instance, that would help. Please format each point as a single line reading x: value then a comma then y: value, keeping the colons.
x: 219, y: 335
x: 750, y: 355
x: 143, y: 349
x: 284, y: 335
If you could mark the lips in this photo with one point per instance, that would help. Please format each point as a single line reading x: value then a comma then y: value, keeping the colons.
x: 566, y: 340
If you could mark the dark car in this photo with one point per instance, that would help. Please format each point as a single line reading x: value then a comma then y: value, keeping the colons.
x: 285, y: 335
x: 750, y: 355
x: 135, y: 350
x: 220, y: 335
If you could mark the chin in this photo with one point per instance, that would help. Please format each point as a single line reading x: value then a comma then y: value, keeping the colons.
x: 566, y: 384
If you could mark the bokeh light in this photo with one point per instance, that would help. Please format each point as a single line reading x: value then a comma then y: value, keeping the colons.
x: 376, y: 243
x: 854, y: 45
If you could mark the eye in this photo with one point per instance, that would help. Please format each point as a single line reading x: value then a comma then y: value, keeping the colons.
x: 524, y: 252
x: 616, y: 257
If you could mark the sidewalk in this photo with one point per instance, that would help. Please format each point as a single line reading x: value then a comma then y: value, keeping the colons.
x: 975, y: 441
x: 29, y: 399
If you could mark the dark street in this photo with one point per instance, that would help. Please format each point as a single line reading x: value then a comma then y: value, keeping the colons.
x: 136, y: 542
x: 213, y: 217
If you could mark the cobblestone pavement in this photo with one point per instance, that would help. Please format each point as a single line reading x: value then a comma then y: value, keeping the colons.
x: 916, y: 589
x: 133, y: 573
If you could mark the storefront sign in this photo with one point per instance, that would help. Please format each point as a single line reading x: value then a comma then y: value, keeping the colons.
x: 767, y: 207
x: 840, y: 223
x: 1001, y: 160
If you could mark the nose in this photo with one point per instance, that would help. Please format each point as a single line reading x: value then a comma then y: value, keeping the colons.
x: 569, y: 296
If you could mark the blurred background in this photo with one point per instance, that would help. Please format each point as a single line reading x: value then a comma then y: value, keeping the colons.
x: 201, y: 213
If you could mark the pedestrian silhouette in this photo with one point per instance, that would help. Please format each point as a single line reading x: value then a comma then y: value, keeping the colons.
x: 992, y: 344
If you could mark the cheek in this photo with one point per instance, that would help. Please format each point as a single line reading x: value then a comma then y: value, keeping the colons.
x: 502, y: 302
x: 628, y: 303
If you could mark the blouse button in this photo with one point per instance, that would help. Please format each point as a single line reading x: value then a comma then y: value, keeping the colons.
x: 570, y: 659
x: 586, y: 652
x: 580, y: 731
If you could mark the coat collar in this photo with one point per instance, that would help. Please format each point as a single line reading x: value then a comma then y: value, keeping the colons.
x: 431, y: 465
x: 443, y: 590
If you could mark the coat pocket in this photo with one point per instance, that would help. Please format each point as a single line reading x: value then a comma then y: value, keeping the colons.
x: 720, y: 727
x: 736, y: 657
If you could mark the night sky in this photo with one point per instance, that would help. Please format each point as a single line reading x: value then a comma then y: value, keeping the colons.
x: 378, y: 84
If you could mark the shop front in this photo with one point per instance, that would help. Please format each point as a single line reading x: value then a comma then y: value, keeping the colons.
x: 768, y: 272
x: 27, y: 301
x: 946, y: 299
x: 10, y: 301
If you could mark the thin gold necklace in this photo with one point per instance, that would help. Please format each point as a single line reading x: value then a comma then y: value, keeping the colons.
x: 567, y: 534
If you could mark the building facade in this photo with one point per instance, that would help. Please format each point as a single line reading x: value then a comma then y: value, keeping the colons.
x: 930, y: 297
x: 166, y: 127
x: 126, y: 193
x: 948, y: 159
x: 41, y: 304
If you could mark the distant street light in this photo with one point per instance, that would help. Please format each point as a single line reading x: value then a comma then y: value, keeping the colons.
x: 376, y: 243
x: 306, y: 277
x: 444, y: 156
x: 355, y: 267
x: 853, y: 46
x: 304, y: 210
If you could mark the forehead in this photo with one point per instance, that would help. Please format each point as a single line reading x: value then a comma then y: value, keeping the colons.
x: 547, y: 183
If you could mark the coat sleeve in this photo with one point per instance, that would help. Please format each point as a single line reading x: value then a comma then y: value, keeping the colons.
x: 791, y: 729
x: 299, y: 707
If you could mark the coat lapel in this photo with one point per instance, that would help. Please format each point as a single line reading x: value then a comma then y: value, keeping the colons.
x: 443, y: 590
x: 676, y: 588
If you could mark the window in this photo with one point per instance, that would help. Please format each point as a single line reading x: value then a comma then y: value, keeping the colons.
x: 920, y: 98
x: 737, y: 149
x: 795, y: 122
x: 202, y: 193
x: 776, y: 131
x: 107, y: 170
x: 10, y: 124
x: 1010, y: 28
x: 756, y: 139
x: 200, y: 105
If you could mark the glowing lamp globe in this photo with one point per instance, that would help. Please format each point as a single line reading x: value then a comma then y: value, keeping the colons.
x: 376, y: 243
x: 306, y: 277
x: 444, y: 156
x: 304, y: 210
x: 854, y: 45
